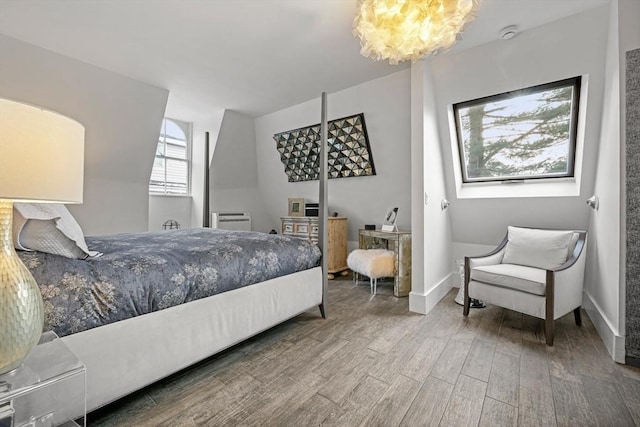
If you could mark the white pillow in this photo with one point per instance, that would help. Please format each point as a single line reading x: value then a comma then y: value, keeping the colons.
x: 50, y: 228
x: 545, y: 249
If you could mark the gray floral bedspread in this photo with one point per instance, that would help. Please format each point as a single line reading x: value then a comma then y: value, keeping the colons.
x: 145, y: 272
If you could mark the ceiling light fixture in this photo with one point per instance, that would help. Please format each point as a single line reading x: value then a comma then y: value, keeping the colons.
x: 399, y: 30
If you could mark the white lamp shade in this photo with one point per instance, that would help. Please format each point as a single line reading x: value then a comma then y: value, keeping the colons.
x: 41, y: 155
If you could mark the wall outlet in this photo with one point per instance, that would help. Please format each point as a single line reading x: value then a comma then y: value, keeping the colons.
x: 426, y: 198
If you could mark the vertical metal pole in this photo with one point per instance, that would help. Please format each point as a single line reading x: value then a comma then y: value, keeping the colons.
x: 323, y: 237
x: 205, y: 199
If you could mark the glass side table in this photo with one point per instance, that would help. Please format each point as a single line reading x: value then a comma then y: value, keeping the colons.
x: 49, y: 389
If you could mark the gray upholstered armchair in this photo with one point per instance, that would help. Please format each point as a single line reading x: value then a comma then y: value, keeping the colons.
x: 533, y: 271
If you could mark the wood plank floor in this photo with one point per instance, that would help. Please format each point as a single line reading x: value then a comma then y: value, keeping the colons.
x: 374, y: 363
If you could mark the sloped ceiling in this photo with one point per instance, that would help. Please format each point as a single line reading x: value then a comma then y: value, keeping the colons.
x: 251, y: 56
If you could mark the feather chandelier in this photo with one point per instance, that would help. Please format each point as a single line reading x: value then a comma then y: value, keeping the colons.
x: 399, y: 30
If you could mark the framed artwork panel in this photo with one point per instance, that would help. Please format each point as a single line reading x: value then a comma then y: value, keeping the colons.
x: 349, y: 153
x: 296, y: 206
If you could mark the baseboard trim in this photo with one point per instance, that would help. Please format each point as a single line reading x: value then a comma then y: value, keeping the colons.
x: 612, y: 340
x: 424, y: 303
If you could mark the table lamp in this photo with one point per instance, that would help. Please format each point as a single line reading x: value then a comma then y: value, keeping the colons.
x: 41, y: 160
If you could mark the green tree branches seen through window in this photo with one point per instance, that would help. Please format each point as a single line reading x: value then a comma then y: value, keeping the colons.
x: 523, y: 134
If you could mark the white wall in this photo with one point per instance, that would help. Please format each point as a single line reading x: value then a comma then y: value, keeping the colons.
x: 122, y: 119
x: 385, y: 103
x: 604, y: 281
x: 188, y: 211
x: 233, y: 174
x: 234, y: 171
x: 603, y: 274
x: 163, y: 208
x: 566, y: 48
x: 431, y: 244
x: 170, y: 207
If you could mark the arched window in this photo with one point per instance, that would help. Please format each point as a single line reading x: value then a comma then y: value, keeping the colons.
x: 170, y: 174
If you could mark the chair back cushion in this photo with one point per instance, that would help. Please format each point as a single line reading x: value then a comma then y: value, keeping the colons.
x: 533, y: 247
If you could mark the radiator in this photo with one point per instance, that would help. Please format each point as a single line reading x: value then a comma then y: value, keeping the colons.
x: 231, y: 221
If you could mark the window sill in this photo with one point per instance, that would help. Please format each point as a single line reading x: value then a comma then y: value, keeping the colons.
x: 170, y: 195
x: 566, y: 187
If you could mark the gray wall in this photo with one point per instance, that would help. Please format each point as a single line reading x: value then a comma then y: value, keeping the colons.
x: 122, y: 119
x: 633, y: 204
x: 385, y: 103
x: 629, y: 34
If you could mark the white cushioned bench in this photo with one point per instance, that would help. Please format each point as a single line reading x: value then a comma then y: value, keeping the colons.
x: 373, y: 263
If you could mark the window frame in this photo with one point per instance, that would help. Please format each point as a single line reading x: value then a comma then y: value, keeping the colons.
x: 187, y: 129
x: 574, y: 82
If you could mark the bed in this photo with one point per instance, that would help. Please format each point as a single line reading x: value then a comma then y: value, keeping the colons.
x: 127, y: 344
x: 172, y: 297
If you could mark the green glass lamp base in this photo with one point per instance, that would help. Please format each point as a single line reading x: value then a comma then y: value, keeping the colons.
x: 21, y: 308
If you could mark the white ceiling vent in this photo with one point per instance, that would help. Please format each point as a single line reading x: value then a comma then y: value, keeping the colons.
x: 509, y: 32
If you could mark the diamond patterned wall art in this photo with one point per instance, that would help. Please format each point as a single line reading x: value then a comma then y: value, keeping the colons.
x: 349, y: 152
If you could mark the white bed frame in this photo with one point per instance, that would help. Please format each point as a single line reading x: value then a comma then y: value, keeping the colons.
x: 126, y: 356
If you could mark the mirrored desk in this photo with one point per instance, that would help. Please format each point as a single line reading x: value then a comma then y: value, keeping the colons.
x: 400, y: 243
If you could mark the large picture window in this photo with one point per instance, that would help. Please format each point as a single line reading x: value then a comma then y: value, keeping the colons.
x: 170, y: 174
x: 523, y: 134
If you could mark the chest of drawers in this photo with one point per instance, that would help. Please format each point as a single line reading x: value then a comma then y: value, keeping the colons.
x: 306, y: 227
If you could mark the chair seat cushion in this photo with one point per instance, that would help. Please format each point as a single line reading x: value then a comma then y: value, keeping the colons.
x: 373, y: 263
x: 519, y: 277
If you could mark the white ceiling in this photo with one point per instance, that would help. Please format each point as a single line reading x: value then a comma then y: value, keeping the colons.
x: 251, y: 56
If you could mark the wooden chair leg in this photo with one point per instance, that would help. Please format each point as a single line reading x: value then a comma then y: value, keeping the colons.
x: 322, y: 311
x: 467, y: 300
x: 577, y: 316
x: 466, y: 305
x: 548, y: 330
x: 549, y: 305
